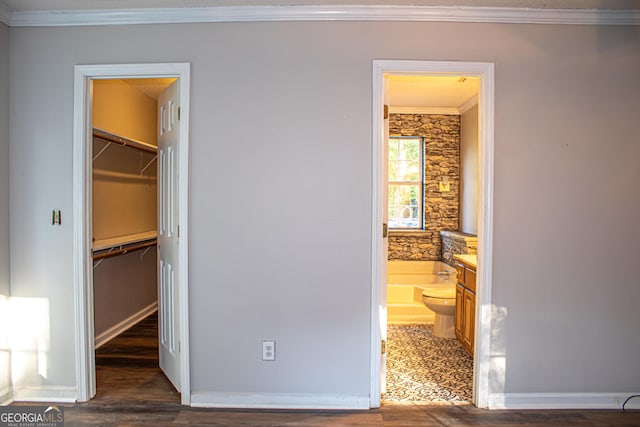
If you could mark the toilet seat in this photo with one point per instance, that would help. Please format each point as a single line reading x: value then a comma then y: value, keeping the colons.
x: 440, y: 291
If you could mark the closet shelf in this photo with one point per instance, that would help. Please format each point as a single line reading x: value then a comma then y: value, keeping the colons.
x: 106, y: 248
x: 130, y: 239
x: 107, y: 174
x: 117, y: 139
x: 123, y: 250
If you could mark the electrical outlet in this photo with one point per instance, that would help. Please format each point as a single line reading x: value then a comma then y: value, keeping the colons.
x: 268, y: 350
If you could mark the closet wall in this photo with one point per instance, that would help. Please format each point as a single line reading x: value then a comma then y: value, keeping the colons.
x: 124, y: 204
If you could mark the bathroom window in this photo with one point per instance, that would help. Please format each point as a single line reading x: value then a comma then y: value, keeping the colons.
x: 406, y: 173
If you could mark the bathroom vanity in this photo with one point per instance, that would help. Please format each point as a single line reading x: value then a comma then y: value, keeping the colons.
x: 465, y: 317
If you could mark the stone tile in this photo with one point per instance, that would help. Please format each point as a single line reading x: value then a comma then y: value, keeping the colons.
x: 421, y: 367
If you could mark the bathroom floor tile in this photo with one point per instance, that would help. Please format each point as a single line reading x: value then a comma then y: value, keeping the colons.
x: 423, y: 368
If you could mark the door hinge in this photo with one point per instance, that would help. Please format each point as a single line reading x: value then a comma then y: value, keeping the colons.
x: 178, y: 230
x: 383, y: 347
x: 385, y: 230
x: 178, y: 113
x: 385, y: 114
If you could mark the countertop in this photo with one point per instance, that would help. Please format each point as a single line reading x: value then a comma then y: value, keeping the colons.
x: 471, y: 260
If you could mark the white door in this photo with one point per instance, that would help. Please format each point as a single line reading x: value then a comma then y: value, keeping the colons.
x: 168, y: 234
x: 385, y: 238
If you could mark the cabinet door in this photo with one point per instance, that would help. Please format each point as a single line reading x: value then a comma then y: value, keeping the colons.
x: 468, y: 328
x: 459, y: 316
x: 459, y: 272
x: 472, y: 322
x: 470, y: 279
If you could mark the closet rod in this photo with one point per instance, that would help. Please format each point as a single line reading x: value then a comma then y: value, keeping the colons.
x: 124, y: 250
x: 112, y: 137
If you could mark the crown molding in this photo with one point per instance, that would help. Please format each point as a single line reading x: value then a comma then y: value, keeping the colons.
x: 320, y: 13
x: 468, y: 104
x: 5, y: 14
x: 461, y: 109
x: 424, y: 110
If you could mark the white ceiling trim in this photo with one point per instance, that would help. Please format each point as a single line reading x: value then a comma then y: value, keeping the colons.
x: 5, y: 14
x: 323, y: 13
x: 468, y: 104
x: 451, y: 111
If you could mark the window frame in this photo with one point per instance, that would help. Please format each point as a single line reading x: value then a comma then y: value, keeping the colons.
x: 420, y: 183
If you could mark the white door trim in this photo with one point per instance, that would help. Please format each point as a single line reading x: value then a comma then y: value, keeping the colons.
x: 485, y: 72
x: 83, y: 274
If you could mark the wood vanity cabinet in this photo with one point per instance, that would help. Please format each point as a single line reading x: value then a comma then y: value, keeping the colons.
x: 465, y: 316
x: 468, y: 327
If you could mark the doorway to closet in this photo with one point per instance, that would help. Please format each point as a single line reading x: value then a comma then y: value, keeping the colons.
x: 130, y: 148
x: 125, y: 214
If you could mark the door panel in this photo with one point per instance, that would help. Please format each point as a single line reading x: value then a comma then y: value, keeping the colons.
x: 385, y: 239
x: 459, y: 315
x: 469, y: 316
x: 168, y: 236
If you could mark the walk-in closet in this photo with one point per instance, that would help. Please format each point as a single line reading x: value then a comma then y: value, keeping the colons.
x: 124, y: 204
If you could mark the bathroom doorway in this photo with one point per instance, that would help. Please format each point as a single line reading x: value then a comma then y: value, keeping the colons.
x: 428, y: 117
x: 411, y: 73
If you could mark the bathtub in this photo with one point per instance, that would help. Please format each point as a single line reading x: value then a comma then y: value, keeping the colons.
x: 406, y: 280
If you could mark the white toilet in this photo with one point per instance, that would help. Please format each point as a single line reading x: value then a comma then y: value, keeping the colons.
x: 441, y: 299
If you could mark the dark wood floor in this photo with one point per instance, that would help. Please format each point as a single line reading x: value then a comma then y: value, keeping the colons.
x: 132, y: 391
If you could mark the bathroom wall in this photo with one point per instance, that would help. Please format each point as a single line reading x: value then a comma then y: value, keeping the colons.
x: 457, y: 242
x: 469, y: 171
x: 442, y: 159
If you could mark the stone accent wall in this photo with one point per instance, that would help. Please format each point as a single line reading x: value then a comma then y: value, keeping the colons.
x: 414, y: 246
x: 442, y: 159
x: 457, y: 242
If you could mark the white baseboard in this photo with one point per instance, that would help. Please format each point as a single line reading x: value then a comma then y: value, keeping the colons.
x: 63, y: 394
x: 561, y: 401
x: 6, y: 396
x: 127, y: 323
x: 278, y: 401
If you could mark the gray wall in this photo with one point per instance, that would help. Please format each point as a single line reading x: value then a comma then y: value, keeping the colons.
x: 123, y: 286
x: 469, y: 171
x: 285, y: 110
x: 5, y: 358
x: 4, y: 159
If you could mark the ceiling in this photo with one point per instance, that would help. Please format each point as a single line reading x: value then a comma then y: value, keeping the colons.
x: 151, y: 87
x: 50, y: 5
x: 431, y: 91
x: 424, y: 92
